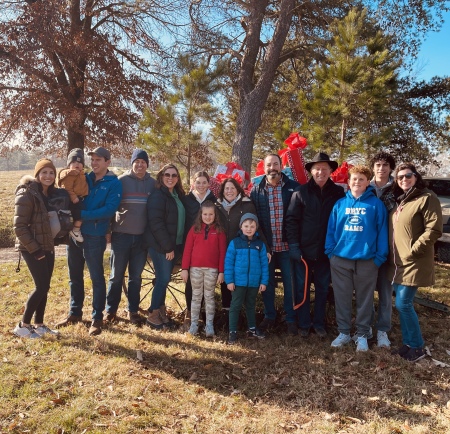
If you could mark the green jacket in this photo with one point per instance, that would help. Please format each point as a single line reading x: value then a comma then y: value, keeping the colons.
x: 415, y: 224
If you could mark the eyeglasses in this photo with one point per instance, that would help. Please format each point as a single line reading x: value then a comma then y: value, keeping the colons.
x: 407, y: 176
x: 170, y: 175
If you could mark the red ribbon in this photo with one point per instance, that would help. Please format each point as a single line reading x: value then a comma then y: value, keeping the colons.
x: 340, y: 175
x: 223, y: 176
x: 260, y: 168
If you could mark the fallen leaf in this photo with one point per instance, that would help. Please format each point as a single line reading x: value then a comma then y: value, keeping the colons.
x: 448, y: 352
x: 373, y: 398
x: 193, y: 377
x: 139, y: 355
x: 439, y: 363
x: 424, y: 391
x: 209, y: 366
x: 336, y: 384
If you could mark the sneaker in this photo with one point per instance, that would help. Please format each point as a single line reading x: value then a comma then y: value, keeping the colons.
x: 266, y: 324
x: 292, y: 329
x: 321, y: 332
x: 71, y: 319
x: 135, y: 318
x: 415, y: 354
x: 232, y: 338
x: 193, y: 329
x: 96, y: 327
x: 110, y: 317
x: 368, y: 336
x: 383, y: 340
x: 25, y: 331
x: 76, y: 235
x: 400, y: 351
x: 43, y: 329
x: 361, y: 344
x: 255, y: 333
x: 209, y: 330
x: 341, y: 340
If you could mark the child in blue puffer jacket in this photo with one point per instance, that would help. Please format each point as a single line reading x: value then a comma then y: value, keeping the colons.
x: 246, y: 274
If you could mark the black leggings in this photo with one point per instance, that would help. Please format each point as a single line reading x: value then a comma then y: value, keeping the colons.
x: 41, y: 271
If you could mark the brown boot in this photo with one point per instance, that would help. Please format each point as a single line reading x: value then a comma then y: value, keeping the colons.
x: 135, y: 318
x: 110, y: 317
x: 96, y: 327
x: 168, y: 323
x: 154, y: 319
x: 70, y: 320
x: 187, y: 321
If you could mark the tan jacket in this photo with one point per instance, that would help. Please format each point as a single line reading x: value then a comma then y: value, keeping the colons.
x: 414, y: 226
x: 74, y: 182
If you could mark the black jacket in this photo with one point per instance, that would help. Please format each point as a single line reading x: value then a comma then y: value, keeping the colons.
x: 260, y: 198
x: 192, y: 206
x: 308, y: 214
x: 162, y: 211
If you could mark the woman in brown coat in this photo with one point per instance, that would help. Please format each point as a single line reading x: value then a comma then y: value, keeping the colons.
x: 415, y: 224
x: 35, y: 241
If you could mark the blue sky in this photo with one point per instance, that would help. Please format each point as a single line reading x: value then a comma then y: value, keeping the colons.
x: 434, y: 57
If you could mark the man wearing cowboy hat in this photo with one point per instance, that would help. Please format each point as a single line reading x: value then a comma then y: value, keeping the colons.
x: 306, y: 227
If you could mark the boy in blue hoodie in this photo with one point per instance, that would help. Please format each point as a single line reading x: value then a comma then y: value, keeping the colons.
x: 246, y: 274
x: 357, y: 244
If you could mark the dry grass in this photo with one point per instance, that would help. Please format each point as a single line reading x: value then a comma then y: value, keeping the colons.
x: 78, y: 384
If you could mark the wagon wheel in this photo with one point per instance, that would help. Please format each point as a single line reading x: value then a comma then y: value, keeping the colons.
x: 148, y: 283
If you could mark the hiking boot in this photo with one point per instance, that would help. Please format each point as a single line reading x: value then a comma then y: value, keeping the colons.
x: 193, y: 329
x: 401, y: 351
x: 110, y: 317
x: 70, y: 320
x: 76, y: 235
x: 96, y: 327
x: 43, y: 329
x: 266, y: 324
x: 232, y: 338
x: 321, y: 332
x: 167, y: 322
x: 255, y: 333
x: 304, y: 333
x: 292, y: 329
x: 187, y: 321
x: 383, y: 340
x: 135, y: 318
x: 341, y: 340
x: 209, y: 330
x: 154, y: 319
x: 361, y: 344
x: 415, y: 354
x: 25, y: 331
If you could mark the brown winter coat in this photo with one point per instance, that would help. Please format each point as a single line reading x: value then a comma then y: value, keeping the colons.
x: 74, y: 182
x: 31, y: 222
x: 414, y: 225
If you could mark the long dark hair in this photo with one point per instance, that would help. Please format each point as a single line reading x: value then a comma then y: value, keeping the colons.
x: 420, y: 183
x: 239, y: 189
x: 198, y: 220
x: 160, y: 175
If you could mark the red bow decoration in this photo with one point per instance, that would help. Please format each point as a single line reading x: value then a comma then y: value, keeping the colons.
x: 260, y: 168
x: 293, y: 156
x: 340, y: 175
x: 223, y: 176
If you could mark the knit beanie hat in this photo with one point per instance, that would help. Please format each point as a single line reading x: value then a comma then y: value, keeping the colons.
x: 248, y: 216
x: 139, y: 154
x: 41, y: 164
x: 75, y: 155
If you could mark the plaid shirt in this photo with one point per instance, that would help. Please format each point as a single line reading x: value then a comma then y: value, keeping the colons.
x: 276, y: 216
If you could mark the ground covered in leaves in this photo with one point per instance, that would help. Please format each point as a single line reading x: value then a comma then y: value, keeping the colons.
x: 131, y: 380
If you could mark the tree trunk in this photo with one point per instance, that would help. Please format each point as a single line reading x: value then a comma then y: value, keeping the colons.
x: 75, y: 121
x: 342, y: 144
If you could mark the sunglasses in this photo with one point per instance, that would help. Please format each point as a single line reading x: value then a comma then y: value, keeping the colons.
x: 407, y: 176
x: 170, y: 175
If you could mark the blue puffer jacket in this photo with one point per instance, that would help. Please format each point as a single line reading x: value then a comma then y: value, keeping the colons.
x: 100, y: 204
x: 246, y: 262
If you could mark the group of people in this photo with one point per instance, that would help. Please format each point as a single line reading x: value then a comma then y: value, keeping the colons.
x: 377, y: 236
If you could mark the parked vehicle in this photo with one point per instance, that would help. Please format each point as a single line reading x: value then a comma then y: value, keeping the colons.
x: 441, y: 186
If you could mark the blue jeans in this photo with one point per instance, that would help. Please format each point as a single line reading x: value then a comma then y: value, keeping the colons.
x: 163, y: 273
x: 320, y: 274
x: 126, y: 250
x: 409, y: 322
x: 282, y: 261
x: 91, y: 253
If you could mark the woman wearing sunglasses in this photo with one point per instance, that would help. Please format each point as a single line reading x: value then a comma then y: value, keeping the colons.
x: 415, y: 224
x: 164, y: 236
